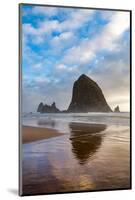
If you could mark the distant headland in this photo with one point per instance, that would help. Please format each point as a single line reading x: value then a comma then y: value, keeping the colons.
x: 87, y: 96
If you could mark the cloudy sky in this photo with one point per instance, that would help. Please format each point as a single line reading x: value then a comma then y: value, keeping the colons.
x: 59, y: 44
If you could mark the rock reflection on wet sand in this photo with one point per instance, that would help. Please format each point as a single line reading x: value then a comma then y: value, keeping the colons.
x: 85, y: 140
x: 90, y: 157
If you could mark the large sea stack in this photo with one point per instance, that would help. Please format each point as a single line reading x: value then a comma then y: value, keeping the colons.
x: 87, y: 97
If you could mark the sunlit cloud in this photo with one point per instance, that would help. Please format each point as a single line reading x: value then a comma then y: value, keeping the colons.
x: 59, y: 44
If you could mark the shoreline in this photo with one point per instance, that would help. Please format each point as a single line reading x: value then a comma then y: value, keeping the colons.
x: 31, y: 133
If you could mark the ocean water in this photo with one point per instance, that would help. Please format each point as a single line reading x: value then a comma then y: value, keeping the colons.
x: 61, y: 121
x: 93, y: 153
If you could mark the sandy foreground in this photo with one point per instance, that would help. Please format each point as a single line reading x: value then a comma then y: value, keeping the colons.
x: 79, y: 161
x: 30, y: 134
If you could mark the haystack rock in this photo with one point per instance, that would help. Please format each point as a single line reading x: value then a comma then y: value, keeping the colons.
x: 117, y: 109
x: 87, y: 97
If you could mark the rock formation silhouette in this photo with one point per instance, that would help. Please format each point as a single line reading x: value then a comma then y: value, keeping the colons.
x: 117, y: 109
x: 48, y: 108
x: 87, y: 97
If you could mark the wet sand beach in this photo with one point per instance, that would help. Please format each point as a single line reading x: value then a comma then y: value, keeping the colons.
x: 88, y: 157
x: 30, y: 134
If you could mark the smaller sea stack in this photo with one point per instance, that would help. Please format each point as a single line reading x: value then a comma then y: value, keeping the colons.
x: 117, y: 109
x: 47, y: 108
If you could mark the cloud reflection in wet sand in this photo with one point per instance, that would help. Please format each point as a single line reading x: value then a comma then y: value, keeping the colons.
x: 78, y: 161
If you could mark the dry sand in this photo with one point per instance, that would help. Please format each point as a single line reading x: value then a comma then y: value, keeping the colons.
x: 30, y: 134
